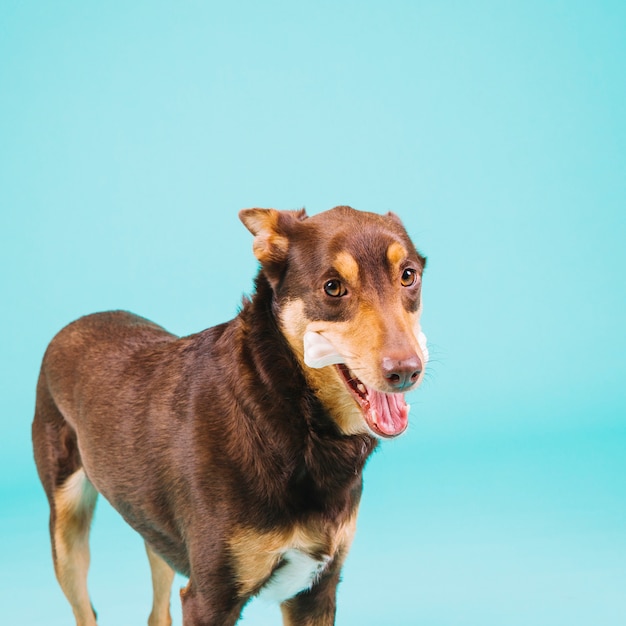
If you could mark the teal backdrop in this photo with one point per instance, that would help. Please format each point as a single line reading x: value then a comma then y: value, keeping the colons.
x: 131, y: 133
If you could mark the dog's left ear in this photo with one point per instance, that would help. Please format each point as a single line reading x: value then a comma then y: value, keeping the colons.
x: 395, y: 218
x: 271, y: 229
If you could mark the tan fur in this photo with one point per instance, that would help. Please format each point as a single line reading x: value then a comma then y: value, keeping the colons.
x: 74, y: 502
x: 396, y: 253
x: 325, y: 381
x: 268, y: 245
x: 162, y: 578
x: 360, y: 340
x: 347, y: 266
x: 258, y: 553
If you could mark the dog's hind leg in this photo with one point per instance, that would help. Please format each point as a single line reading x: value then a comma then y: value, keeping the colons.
x: 72, y: 499
x: 74, y: 503
x: 162, y: 578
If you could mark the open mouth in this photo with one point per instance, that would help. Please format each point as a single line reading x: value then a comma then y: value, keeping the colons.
x: 387, y: 414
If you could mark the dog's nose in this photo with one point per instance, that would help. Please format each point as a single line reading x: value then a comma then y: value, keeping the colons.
x: 403, y: 372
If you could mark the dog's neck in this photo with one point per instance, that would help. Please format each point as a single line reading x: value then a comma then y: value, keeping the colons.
x: 324, y: 463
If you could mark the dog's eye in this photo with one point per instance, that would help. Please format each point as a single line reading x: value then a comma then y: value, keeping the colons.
x: 408, y: 278
x: 335, y: 289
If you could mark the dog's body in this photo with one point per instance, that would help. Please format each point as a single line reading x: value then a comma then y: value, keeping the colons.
x: 237, y: 452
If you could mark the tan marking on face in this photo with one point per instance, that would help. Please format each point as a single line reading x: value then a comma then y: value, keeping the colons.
x: 346, y: 265
x: 325, y: 381
x: 362, y: 342
x: 373, y: 332
x: 256, y: 554
x: 396, y: 253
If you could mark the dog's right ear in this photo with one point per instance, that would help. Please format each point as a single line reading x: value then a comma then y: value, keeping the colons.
x: 271, y: 231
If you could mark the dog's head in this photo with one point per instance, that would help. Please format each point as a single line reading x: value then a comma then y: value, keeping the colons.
x: 347, y: 288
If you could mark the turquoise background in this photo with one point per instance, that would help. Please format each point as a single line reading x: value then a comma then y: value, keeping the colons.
x: 131, y: 133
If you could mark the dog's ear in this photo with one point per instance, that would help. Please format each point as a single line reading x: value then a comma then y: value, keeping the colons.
x: 271, y: 229
x: 391, y: 215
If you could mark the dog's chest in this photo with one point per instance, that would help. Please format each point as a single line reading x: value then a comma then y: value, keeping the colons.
x: 296, y: 572
x: 280, y: 564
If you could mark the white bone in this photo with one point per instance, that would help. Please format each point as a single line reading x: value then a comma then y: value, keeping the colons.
x: 319, y: 352
x: 421, y: 339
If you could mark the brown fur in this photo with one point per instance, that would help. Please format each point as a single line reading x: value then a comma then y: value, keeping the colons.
x: 223, y: 449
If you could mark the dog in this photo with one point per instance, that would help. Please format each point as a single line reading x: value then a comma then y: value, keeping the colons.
x: 237, y: 453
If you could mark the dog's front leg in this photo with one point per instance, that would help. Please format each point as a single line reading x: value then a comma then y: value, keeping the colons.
x: 206, y: 606
x: 315, y: 607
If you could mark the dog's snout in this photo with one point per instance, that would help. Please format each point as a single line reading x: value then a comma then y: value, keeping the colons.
x: 402, y: 372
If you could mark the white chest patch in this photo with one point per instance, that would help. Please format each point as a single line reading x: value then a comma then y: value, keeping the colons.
x: 298, y: 571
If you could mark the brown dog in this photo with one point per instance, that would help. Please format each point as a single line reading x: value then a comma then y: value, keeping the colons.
x: 237, y: 452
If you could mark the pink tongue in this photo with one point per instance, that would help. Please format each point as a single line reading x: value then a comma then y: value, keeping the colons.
x: 388, y: 411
